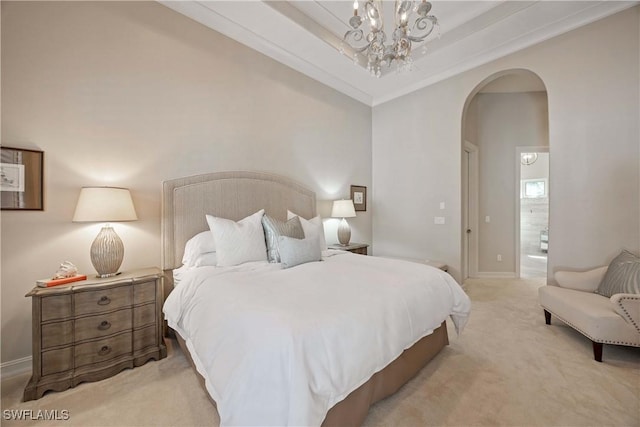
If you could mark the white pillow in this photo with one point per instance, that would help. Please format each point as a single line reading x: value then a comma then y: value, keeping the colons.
x: 298, y: 251
x: 313, y: 229
x: 201, y: 243
x: 238, y: 242
x: 209, y: 259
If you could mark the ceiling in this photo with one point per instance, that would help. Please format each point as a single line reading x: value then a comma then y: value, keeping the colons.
x: 306, y: 35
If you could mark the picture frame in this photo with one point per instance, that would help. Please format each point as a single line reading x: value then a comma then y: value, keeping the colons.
x: 21, y: 179
x: 359, y: 197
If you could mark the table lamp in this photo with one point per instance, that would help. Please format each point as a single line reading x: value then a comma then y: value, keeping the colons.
x: 343, y: 209
x: 105, y: 204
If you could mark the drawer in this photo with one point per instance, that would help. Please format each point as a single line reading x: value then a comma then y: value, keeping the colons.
x: 102, y: 300
x: 145, y: 337
x: 103, y: 324
x: 144, y: 292
x: 55, y: 307
x: 144, y: 315
x: 101, y: 350
x: 57, y: 334
x: 55, y: 361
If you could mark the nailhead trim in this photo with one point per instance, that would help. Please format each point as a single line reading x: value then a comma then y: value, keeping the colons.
x: 588, y: 336
x: 633, y: 322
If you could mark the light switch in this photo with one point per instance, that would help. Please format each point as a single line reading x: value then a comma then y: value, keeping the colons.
x: 441, y: 205
x: 438, y: 220
x: 487, y: 218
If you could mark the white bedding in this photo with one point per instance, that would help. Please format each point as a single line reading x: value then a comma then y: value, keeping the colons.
x: 282, y: 346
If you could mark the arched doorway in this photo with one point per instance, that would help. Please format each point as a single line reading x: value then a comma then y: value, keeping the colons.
x: 504, y: 116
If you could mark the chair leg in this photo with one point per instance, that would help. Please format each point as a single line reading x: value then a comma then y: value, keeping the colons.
x: 597, y: 351
x: 547, y: 317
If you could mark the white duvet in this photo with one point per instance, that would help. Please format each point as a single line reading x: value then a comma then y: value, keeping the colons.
x: 282, y: 346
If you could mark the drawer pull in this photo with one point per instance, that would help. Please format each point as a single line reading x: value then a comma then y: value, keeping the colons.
x: 104, y: 325
x: 104, y: 350
x: 104, y: 300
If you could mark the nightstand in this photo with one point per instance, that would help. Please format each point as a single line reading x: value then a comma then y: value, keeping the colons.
x: 93, y: 329
x: 356, y: 248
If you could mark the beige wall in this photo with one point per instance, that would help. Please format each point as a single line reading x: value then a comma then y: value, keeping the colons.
x: 593, y: 92
x: 131, y: 94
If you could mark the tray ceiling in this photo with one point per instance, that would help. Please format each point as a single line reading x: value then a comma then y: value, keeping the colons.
x: 306, y: 35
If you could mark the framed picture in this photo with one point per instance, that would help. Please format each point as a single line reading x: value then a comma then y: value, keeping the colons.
x: 359, y: 197
x: 21, y: 175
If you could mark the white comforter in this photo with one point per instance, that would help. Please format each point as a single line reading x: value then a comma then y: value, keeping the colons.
x: 281, y: 347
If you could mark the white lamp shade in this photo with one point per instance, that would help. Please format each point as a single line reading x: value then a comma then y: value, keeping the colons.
x: 343, y: 209
x: 104, y: 204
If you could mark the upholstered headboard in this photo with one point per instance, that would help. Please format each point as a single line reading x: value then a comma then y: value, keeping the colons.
x: 232, y: 195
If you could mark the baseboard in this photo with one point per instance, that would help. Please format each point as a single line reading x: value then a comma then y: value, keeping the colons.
x: 16, y: 367
x: 496, y: 275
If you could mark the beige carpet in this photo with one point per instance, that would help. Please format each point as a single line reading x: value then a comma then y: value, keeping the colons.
x: 508, y: 368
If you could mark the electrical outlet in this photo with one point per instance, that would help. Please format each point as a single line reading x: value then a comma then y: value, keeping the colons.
x: 441, y: 205
x: 438, y: 220
x: 487, y: 219
x: 499, y: 258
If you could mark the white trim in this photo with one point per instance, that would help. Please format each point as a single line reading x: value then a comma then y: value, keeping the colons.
x: 496, y: 275
x: 16, y: 367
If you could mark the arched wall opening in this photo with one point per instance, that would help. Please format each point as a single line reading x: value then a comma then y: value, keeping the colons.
x: 504, y: 116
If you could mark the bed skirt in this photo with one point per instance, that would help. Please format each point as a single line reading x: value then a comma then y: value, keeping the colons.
x: 353, y: 409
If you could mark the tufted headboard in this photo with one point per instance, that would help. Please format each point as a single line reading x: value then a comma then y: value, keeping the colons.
x: 232, y: 195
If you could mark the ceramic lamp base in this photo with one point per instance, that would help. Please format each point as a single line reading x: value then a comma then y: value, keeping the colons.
x: 107, y: 252
x: 344, y: 232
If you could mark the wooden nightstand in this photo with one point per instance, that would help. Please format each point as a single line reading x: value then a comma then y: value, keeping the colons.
x: 356, y: 248
x: 93, y: 329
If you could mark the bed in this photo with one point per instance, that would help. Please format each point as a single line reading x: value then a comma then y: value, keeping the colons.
x: 314, y: 344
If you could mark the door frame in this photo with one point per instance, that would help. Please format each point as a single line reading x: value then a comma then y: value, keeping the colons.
x: 470, y: 176
x: 519, y: 151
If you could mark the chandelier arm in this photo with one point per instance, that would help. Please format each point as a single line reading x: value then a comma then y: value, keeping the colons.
x: 355, y: 35
x: 422, y: 24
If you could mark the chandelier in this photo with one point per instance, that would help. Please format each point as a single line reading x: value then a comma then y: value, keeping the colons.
x: 528, y: 158
x: 374, y: 45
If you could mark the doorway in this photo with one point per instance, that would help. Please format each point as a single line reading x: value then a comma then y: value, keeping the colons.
x: 470, y: 210
x: 506, y: 113
x: 533, y: 207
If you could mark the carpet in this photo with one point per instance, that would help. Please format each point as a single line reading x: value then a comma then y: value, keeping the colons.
x: 506, y: 369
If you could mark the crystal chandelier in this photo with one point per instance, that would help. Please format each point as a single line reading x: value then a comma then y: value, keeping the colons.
x: 374, y: 45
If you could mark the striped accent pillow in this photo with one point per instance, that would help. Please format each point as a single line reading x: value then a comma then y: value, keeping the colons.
x: 622, y: 276
x: 274, y: 228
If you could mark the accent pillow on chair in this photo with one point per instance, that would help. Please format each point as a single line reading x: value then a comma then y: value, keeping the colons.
x: 622, y: 276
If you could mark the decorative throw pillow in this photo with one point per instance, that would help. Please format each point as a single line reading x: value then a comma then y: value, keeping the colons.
x: 273, y: 228
x: 201, y: 243
x: 312, y: 228
x: 298, y: 251
x: 238, y: 242
x: 622, y: 276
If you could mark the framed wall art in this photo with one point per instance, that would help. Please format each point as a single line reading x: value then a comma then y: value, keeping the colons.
x: 21, y: 179
x: 359, y: 197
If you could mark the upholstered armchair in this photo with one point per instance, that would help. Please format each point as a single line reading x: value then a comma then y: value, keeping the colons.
x: 604, y: 320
